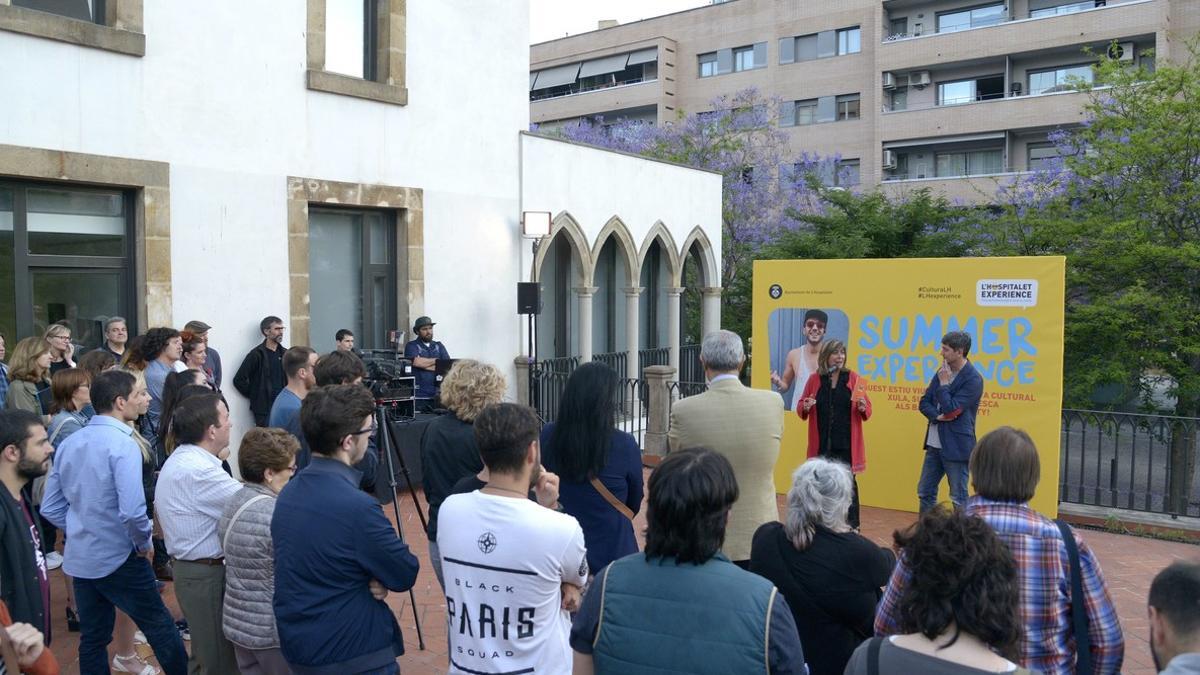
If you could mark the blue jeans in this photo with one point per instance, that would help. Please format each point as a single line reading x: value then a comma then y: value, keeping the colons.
x: 932, y: 470
x: 132, y: 589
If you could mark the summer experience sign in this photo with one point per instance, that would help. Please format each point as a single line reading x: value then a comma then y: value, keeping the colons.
x: 891, y: 314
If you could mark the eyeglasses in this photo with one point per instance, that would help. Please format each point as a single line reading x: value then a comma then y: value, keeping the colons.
x: 369, y: 430
x: 813, y: 324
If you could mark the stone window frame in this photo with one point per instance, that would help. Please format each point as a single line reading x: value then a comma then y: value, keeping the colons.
x: 121, y: 32
x: 150, y: 182
x: 408, y: 205
x: 390, y: 57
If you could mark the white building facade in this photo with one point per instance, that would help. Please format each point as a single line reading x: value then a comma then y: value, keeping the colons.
x: 167, y: 164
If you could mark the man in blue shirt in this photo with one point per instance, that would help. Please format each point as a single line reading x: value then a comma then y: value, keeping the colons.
x: 94, y: 492
x: 298, y: 365
x: 336, y: 554
x: 425, y: 352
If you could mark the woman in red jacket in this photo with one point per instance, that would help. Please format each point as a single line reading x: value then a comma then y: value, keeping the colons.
x: 835, y: 403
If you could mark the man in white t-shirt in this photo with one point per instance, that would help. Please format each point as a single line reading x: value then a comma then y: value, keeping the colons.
x: 506, y: 559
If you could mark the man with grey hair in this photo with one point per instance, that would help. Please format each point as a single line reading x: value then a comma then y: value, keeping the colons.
x: 741, y: 423
x: 116, y: 334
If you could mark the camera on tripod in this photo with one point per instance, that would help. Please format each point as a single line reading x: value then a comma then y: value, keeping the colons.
x: 390, y: 379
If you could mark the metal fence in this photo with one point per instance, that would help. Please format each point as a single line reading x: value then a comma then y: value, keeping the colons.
x: 1129, y: 461
x: 658, y: 356
x: 614, y: 360
x: 690, y: 369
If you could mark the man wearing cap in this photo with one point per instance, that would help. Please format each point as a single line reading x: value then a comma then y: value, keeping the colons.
x: 213, y: 363
x: 425, y: 352
x: 802, y: 361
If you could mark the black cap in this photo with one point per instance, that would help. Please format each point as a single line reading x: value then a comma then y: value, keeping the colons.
x: 423, y: 321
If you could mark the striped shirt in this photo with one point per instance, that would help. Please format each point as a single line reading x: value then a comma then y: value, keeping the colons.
x: 189, y: 499
x: 1047, y: 643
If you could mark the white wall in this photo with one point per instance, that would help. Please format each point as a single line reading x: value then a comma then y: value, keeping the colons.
x: 220, y: 96
x: 594, y: 185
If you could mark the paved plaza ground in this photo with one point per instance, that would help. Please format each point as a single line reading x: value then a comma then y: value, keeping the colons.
x: 1129, y: 564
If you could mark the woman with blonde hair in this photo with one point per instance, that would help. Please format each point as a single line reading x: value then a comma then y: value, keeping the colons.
x: 62, y: 350
x: 835, y: 403
x: 448, y: 450
x: 29, y: 375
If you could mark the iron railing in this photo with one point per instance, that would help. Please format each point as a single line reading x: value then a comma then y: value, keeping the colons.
x: 614, y: 360
x: 690, y: 369
x: 656, y: 356
x: 1129, y: 461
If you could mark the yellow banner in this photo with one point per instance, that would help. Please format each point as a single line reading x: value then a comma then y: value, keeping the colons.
x: 892, y: 314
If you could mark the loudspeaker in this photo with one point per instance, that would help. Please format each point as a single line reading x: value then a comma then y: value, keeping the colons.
x: 529, y: 297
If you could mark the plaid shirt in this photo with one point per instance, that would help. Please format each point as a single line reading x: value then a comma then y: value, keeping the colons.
x: 3, y: 385
x: 1046, y: 643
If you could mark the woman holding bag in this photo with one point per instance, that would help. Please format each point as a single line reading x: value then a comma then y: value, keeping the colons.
x: 599, y: 466
x: 835, y: 403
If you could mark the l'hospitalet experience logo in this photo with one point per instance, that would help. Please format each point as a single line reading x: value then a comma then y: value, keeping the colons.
x: 1006, y: 292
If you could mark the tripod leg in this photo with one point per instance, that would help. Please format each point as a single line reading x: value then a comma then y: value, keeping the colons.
x: 385, y: 446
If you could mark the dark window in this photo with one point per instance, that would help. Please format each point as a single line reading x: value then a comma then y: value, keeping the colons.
x: 352, y: 37
x: 65, y: 253
x: 352, y: 274
x: 848, y: 107
x: 847, y: 173
x: 91, y: 11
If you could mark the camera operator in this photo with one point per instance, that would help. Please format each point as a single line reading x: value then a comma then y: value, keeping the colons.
x: 425, y: 352
x: 338, y: 367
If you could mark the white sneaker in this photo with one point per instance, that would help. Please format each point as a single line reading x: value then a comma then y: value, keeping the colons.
x: 139, y: 638
x: 54, y: 560
x: 132, y: 663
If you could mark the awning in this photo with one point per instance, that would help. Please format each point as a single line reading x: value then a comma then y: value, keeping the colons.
x: 557, y: 76
x: 943, y: 140
x: 603, y: 66
x: 532, y: 79
x: 643, y: 56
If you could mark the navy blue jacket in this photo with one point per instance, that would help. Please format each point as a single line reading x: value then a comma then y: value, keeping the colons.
x: 958, y: 400
x: 428, y: 384
x: 330, y: 541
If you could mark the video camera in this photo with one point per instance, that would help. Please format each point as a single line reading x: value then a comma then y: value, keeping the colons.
x: 389, y: 376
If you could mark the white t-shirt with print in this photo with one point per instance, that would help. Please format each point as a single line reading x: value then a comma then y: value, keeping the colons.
x: 504, y: 560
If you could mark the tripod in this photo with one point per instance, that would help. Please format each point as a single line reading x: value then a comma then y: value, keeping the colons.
x: 386, y: 447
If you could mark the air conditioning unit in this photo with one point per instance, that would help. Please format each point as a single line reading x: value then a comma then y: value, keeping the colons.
x: 889, y: 159
x: 889, y: 81
x: 920, y: 78
x: 1122, y: 51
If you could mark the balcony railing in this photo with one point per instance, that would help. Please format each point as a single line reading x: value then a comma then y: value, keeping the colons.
x: 1002, y: 171
x: 1047, y: 13
x: 535, y: 96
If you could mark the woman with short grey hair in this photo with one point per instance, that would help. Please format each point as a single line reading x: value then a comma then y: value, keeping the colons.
x: 829, y: 574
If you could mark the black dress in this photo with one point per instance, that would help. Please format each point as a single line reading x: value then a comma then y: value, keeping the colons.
x: 831, y: 587
x: 833, y: 428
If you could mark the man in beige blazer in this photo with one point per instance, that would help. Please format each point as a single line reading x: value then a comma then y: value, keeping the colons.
x: 741, y: 423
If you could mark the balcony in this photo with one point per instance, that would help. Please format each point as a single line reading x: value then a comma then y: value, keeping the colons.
x: 598, y: 100
x: 981, y: 189
x: 992, y: 37
x: 999, y: 112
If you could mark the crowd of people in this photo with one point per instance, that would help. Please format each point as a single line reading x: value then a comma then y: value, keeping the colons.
x: 123, y: 449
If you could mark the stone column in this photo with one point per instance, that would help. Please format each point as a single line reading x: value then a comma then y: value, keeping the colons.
x: 658, y: 409
x: 632, y: 318
x: 522, y: 365
x: 710, y: 310
x: 585, y: 293
x: 673, y: 326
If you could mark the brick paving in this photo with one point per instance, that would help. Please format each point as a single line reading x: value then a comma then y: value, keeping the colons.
x: 1129, y: 564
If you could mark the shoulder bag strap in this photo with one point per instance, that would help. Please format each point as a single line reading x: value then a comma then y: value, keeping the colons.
x: 236, y: 515
x: 873, y: 655
x: 1079, y: 620
x: 611, y: 498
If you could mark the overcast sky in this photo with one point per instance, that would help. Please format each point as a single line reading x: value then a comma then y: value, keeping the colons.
x: 551, y: 19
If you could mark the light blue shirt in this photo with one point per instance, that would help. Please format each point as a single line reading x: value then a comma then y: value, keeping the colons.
x: 94, y: 492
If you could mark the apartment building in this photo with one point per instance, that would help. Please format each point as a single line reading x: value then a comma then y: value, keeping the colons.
x: 955, y: 95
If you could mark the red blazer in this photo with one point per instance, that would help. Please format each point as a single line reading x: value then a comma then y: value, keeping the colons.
x: 858, y: 451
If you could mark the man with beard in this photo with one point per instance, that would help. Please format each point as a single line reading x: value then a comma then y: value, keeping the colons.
x: 802, y: 361
x: 505, y: 558
x: 1175, y: 619
x: 24, y: 581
